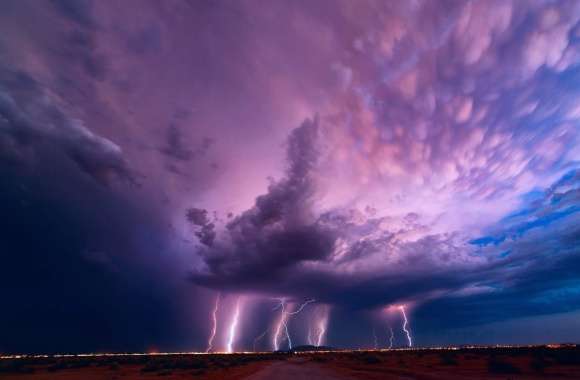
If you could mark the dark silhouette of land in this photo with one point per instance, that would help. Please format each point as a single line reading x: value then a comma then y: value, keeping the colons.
x: 539, y: 362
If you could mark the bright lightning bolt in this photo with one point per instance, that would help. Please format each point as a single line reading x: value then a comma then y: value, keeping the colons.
x: 321, y: 332
x: 391, y: 338
x: 317, y: 332
x: 214, y: 328
x: 321, y: 323
x: 405, y: 323
x: 283, y: 322
x: 233, y: 327
x: 302, y: 307
x: 287, y: 334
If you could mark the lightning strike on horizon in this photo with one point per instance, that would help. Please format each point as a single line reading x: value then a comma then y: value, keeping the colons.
x: 321, y: 321
x: 259, y: 337
x: 405, y: 323
x: 321, y: 332
x: 391, y: 338
x: 233, y: 327
x: 281, y: 322
x: 214, y: 329
x: 321, y: 324
x: 375, y: 338
x: 288, y: 339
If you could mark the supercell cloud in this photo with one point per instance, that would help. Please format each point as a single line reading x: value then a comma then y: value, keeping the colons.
x: 364, y: 155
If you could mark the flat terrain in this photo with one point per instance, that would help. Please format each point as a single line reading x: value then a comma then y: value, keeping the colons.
x: 297, y: 369
x: 481, y: 363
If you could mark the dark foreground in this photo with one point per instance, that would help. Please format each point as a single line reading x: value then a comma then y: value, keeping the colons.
x: 488, y: 363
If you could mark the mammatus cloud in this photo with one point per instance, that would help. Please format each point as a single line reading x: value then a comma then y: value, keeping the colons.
x: 418, y: 154
x: 357, y: 259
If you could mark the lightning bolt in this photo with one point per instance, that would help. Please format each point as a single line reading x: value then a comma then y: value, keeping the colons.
x: 233, y: 327
x: 375, y: 338
x: 310, y: 340
x: 288, y: 339
x: 302, y: 307
x: 321, y: 323
x: 214, y: 328
x: 391, y: 338
x: 405, y: 324
x: 283, y: 321
x: 259, y: 337
x: 321, y: 331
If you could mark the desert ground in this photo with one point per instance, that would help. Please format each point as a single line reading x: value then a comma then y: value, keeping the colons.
x: 479, y: 363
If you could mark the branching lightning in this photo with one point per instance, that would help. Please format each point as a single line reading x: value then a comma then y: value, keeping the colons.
x: 283, y: 322
x: 405, y: 324
x: 233, y: 327
x: 302, y: 307
x: 214, y: 328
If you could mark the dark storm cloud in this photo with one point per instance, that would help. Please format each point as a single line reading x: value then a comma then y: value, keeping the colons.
x: 78, y: 258
x: 268, y: 248
x: 436, y: 120
x: 32, y: 117
x: 79, y: 11
x: 175, y: 148
x: 75, y: 264
x: 148, y: 40
x: 73, y: 251
x: 268, y: 241
x: 179, y: 152
x: 80, y: 45
x: 205, y: 228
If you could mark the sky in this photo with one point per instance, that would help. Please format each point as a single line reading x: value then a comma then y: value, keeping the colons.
x: 213, y: 175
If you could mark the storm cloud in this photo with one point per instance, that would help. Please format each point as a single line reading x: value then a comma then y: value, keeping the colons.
x: 364, y: 155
